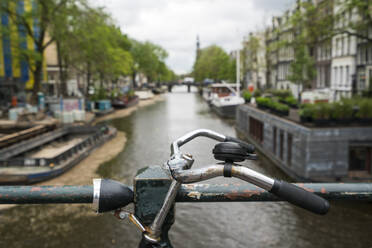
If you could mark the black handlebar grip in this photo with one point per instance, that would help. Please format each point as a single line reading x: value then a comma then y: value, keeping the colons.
x: 250, y: 148
x: 113, y: 195
x: 300, y: 197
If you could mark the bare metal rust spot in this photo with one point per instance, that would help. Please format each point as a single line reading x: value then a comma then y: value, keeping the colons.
x: 35, y: 189
x: 234, y: 195
x: 194, y: 194
x: 307, y: 189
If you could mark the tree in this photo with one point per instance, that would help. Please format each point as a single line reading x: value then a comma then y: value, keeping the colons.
x: 213, y: 63
x: 354, y: 17
x: 303, y: 37
x: 42, y: 14
x: 149, y: 59
x: 92, y: 45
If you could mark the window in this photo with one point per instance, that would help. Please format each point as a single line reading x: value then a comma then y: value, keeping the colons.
x: 256, y: 130
x: 335, y: 76
x: 342, y: 46
x: 347, y: 76
x: 360, y: 159
x: 274, y: 139
x: 281, y: 148
x: 366, y: 54
x: 341, y: 75
x: 289, y: 149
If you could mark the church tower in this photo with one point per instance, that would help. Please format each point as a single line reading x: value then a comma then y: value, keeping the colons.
x: 197, y: 47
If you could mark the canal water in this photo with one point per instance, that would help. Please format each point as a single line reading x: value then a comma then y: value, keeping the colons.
x: 150, y: 131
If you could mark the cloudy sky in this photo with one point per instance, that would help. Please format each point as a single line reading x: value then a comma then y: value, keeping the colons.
x: 175, y: 24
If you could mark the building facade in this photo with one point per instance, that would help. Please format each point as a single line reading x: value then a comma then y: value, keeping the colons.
x: 363, y: 81
x: 254, y: 60
x: 344, y: 50
x: 15, y: 73
x: 343, y: 62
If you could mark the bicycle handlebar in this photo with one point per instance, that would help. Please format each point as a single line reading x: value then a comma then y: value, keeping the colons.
x: 283, y: 190
x: 300, y: 197
x: 109, y: 195
x: 210, y: 134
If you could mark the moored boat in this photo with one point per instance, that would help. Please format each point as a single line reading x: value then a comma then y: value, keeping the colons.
x: 51, y: 154
x: 125, y: 102
x: 224, y: 99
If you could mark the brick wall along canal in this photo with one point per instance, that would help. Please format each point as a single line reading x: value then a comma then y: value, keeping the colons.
x: 149, y: 132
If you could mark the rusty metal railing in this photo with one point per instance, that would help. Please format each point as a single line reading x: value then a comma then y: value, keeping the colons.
x: 187, y: 193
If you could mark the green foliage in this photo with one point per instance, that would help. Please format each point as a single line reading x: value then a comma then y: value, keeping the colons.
x: 290, y: 101
x: 322, y: 111
x: 307, y: 111
x: 273, y: 105
x: 246, y: 95
x: 365, y: 108
x: 257, y: 93
x: 281, y: 93
x: 359, y: 27
x: 262, y: 101
x: 100, y: 94
x: 93, y: 45
x: 214, y: 63
x: 346, y: 109
x: 149, y: 59
x: 47, y: 14
x: 342, y: 110
x: 281, y: 107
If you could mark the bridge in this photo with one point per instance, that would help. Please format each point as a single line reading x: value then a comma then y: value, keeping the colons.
x: 171, y: 85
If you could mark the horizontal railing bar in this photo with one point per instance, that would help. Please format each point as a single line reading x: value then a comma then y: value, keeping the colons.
x: 45, y: 194
x: 187, y: 193
x: 249, y: 192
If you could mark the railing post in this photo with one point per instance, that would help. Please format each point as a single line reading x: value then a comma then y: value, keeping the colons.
x: 151, y: 185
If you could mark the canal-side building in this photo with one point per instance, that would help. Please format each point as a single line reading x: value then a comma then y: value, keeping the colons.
x: 271, y: 40
x: 323, y: 50
x: 254, y: 60
x: 285, y: 54
x: 16, y: 75
x: 308, y: 153
x: 344, y: 49
x: 364, y: 66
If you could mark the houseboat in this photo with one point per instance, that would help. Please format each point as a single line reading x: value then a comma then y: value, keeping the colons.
x: 125, y: 101
x: 309, y: 153
x: 49, y: 155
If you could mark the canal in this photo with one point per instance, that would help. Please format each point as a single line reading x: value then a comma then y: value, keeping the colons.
x: 150, y: 131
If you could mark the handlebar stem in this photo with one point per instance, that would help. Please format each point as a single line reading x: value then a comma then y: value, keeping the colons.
x: 192, y: 135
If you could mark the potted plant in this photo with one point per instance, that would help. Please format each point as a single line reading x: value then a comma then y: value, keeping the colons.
x: 364, y: 113
x: 322, y: 113
x: 282, y: 109
x: 262, y: 102
x: 247, y: 96
x: 306, y: 113
x: 342, y: 112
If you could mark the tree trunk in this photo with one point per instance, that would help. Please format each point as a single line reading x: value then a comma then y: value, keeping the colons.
x: 62, y: 73
x: 88, y: 78
x: 37, y: 80
x: 134, y: 79
x: 101, y: 80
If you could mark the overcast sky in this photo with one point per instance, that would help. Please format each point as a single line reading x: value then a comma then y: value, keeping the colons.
x: 175, y: 24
